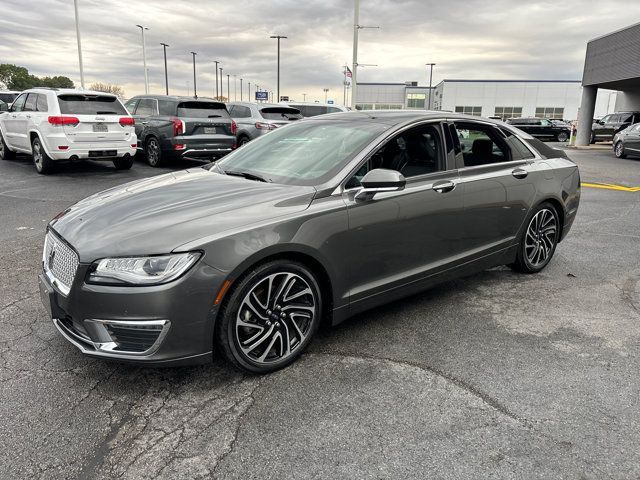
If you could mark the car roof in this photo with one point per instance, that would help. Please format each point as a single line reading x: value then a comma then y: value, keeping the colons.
x: 260, y: 105
x: 177, y: 98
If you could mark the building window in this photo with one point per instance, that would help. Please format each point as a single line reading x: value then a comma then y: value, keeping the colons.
x: 364, y: 106
x: 550, y: 112
x: 477, y: 111
x: 379, y: 106
x: 508, y: 112
x: 416, y: 100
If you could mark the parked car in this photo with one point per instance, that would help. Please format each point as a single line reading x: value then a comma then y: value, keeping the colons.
x: 314, y: 222
x: 8, y: 96
x: 627, y: 142
x: 174, y: 127
x: 255, y: 119
x: 314, y: 109
x: 4, y: 107
x: 67, y: 124
x: 542, y: 128
x: 605, y: 128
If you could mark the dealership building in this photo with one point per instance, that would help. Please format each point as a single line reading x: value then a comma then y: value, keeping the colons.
x: 488, y: 98
x: 612, y: 62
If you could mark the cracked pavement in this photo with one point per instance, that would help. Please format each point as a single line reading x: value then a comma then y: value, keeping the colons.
x: 498, y: 375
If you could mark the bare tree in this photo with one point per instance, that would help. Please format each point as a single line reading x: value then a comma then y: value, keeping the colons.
x: 116, y: 90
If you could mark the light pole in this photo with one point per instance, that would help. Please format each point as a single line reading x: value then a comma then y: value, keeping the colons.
x: 166, y: 74
x: 354, y: 72
x: 304, y: 97
x: 217, y: 62
x: 278, y: 86
x: 228, y: 87
x: 75, y: 6
x: 240, y: 89
x: 195, y: 88
x: 271, y: 92
x: 249, y: 90
x: 221, y: 84
x: 144, y: 59
x: 235, y: 87
x: 430, y: 65
x: 325, y: 90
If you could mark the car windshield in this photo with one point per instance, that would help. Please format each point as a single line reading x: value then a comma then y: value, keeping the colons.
x: 202, y: 110
x: 302, y: 153
x: 90, y: 105
x: 280, y: 113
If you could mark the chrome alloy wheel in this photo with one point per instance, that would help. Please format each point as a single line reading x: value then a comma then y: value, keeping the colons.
x: 619, y: 149
x: 275, y: 317
x: 541, y: 237
x: 37, y: 155
x: 153, y: 152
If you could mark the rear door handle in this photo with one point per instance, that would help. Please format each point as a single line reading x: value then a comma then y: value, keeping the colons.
x: 443, y: 187
x: 519, y: 173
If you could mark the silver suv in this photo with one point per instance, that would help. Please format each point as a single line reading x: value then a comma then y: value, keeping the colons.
x: 255, y: 119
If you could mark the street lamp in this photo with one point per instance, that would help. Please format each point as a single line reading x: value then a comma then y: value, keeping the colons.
x: 304, y: 97
x: 228, y: 87
x: 144, y: 60
x: 325, y: 90
x: 75, y: 6
x: 430, y: 65
x: 195, y: 89
x: 354, y: 73
x: 278, y: 37
x: 166, y: 75
x: 235, y: 87
x: 249, y: 90
x: 217, y: 62
x: 221, y: 85
x: 240, y: 89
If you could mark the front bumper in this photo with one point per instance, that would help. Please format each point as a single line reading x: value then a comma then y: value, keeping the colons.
x: 156, y: 325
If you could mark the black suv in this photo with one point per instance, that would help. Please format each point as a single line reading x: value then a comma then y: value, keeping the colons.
x: 170, y: 127
x: 542, y: 128
x: 605, y: 128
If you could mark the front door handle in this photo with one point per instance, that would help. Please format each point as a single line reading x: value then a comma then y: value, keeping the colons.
x: 519, y: 173
x: 144, y: 123
x: 443, y: 187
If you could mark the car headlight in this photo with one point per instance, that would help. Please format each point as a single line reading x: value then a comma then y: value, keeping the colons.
x: 151, y: 270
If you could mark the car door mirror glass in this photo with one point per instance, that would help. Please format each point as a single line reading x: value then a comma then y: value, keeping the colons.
x: 380, y: 180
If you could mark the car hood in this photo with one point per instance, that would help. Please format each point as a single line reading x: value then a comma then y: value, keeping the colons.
x: 159, y: 214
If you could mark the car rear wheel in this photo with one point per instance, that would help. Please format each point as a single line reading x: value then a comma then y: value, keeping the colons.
x: 619, y: 150
x: 270, y: 317
x: 562, y: 137
x: 244, y: 140
x: 153, y: 152
x: 539, y: 240
x: 41, y: 160
x: 5, y: 153
x: 593, y: 138
x: 123, y: 163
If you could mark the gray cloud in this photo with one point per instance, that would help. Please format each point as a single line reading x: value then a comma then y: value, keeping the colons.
x: 467, y: 39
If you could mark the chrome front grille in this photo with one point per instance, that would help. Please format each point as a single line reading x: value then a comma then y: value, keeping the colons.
x: 59, y: 263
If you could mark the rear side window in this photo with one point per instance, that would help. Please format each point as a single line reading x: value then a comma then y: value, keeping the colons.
x: 202, y: 110
x: 545, y: 150
x: 166, y: 107
x: 481, y: 145
x: 131, y: 105
x: 626, y: 118
x: 519, y: 150
x: 90, y: 105
x: 238, y: 111
x: 280, y: 113
x: 30, y: 104
x: 41, y: 104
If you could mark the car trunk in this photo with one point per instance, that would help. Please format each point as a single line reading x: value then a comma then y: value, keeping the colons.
x: 204, y: 118
x: 280, y: 115
x: 99, y: 118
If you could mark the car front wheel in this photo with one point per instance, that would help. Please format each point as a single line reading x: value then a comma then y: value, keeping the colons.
x: 270, y: 317
x: 562, y: 137
x: 41, y: 160
x: 619, y: 150
x: 5, y: 153
x: 539, y: 240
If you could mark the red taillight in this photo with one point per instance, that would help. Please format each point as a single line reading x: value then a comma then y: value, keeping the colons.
x: 134, y: 145
x: 234, y: 127
x: 63, y: 147
x: 234, y: 146
x: 178, y: 127
x: 127, y: 121
x: 60, y: 120
x: 264, y: 126
x: 179, y: 146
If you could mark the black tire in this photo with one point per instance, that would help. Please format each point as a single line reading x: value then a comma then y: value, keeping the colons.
x: 153, y: 152
x: 618, y: 150
x: 243, y: 140
x: 281, y: 324
x: 41, y: 160
x: 562, y: 137
x: 540, y: 237
x: 592, y: 139
x: 5, y: 152
x: 123, y: 163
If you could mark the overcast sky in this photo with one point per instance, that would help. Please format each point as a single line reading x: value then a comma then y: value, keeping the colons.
x: 471, y: 39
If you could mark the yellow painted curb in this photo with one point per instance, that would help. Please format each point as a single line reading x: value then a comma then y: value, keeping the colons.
x: 608, y: 186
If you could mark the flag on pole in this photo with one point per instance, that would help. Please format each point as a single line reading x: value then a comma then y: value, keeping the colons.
x: 348, y: 73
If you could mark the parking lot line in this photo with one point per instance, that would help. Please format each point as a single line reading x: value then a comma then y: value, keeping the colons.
x: 609, y: 186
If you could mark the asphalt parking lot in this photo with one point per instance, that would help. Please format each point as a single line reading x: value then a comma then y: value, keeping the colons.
x: 499, y: 375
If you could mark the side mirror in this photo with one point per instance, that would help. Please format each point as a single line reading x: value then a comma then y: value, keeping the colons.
x: 4, y: 107
x: 380, y: 180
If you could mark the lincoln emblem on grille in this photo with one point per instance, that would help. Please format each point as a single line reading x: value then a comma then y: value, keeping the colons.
x: 51, y: 256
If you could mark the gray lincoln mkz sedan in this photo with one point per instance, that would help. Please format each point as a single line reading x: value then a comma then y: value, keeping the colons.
x: 314, y: 222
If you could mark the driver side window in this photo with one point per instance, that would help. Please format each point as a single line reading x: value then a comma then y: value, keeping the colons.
x: 414, y: 152
x: 18, y: 104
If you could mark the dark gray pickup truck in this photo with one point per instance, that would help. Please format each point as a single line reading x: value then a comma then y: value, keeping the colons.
x: 172, y: 127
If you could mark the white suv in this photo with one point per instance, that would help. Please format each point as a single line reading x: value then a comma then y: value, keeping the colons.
x: 68, y: 124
